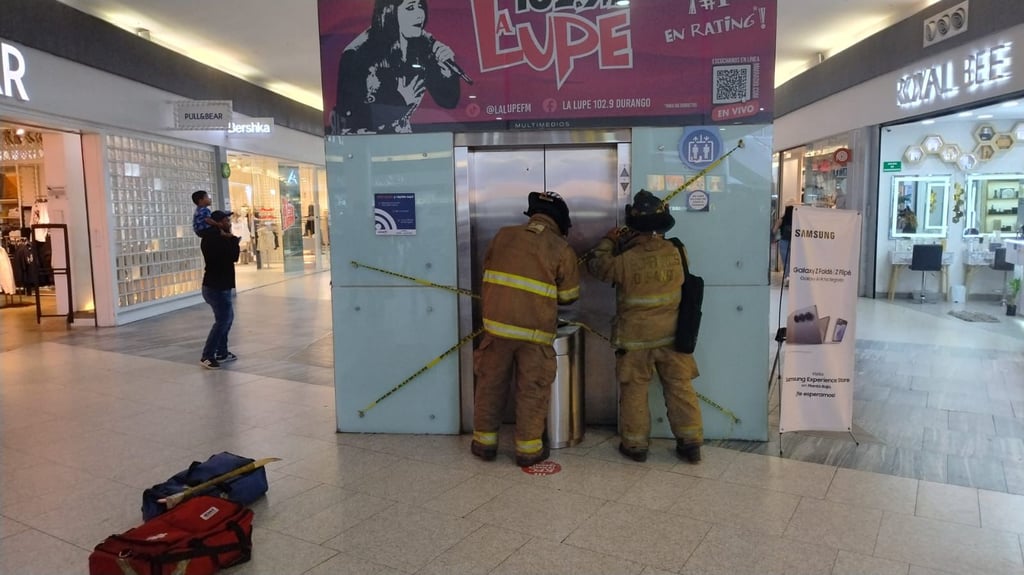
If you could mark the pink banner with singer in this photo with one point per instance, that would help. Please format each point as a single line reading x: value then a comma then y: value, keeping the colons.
x: 399, y: 66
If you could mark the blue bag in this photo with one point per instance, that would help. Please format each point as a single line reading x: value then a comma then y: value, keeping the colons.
x: 244, y: 489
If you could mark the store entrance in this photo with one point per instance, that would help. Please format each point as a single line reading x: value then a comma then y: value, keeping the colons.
x: 495, y: 186
x: 45, y: 271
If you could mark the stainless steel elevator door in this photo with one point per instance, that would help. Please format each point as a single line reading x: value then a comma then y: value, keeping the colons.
x: 586, y: 177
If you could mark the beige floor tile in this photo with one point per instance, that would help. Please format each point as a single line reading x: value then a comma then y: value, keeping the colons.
x: 918, y: 570
x: 662, y: 540
x: 412, y: 482
x: 850, y: 563
x: 865, y: 489
x: 658, y: 490
x: 340, y: 465
x: 948, y: 503
x: 835, y: 524
x: 346, y: 564
x: 10, y: 527
x: 788, y: 476
x: 1004, y: 511
x: 942, y: 545
x: 588, y: 476
x: 714, y: 462
x: 648, y: 570
x: 462, y: 499
x: 86, y: 521
x: 258, y: 442
x: 279, y: 515
x: 325, y: 525
x: 537, y: 511
x: 33, y: 553
x: 738, y: 505
x: 404, y: 537
x: 274, y: 553
x: 732, y: 551
x: 36, y: 486
x: 477, y: 554
x: 540, y: 557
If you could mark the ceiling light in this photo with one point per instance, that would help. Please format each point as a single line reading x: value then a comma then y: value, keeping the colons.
x: 965, y: 114
x: 928, y: 122
x: 20, y: 131
x: 622, y: 3
x: 1010, y: 104
x: 472, y: 96
x: 984, y: 116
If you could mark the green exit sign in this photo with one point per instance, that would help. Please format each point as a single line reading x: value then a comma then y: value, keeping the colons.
x: 892, y: 166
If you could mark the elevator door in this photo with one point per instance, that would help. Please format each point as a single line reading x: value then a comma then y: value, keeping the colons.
x: 586, y: 177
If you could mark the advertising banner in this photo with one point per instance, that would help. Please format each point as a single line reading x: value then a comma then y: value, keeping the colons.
x: 818, y: 366
x: 397, y: 66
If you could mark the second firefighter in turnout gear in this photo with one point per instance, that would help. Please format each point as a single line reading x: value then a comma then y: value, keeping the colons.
x: 647, y: 272
x: 529, y: 270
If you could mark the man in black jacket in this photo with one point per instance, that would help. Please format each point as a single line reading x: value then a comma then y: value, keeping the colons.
x: 220, y: 252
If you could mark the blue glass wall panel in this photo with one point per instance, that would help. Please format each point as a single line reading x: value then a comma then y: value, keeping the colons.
x: 387, y: 328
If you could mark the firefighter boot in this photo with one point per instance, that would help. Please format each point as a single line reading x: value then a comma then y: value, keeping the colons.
x: 527, y: 460
x: 690, y: 453
x: 633, y: 453
x: 485, y: 452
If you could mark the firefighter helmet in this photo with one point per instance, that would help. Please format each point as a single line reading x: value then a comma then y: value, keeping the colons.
x: 648, y: 213
x: 550, y: 204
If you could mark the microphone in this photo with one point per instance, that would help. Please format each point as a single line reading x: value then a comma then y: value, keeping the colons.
x: 458, y: 70
x: 450, y: 62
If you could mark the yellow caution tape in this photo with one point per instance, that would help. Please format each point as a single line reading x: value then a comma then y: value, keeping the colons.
x: 460, y: 291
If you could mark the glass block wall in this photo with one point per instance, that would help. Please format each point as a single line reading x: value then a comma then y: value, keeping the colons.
x: 151, y: 183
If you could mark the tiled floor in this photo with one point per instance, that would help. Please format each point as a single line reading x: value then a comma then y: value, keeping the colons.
x: 88, y: 418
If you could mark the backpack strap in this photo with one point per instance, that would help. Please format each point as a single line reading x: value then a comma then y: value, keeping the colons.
x: 682, y: 252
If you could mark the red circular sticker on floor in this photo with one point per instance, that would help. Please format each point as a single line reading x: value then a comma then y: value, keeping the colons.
x: 543, y: 468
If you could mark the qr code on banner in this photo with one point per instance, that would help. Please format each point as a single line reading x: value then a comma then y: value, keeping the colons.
x: 731, y: 84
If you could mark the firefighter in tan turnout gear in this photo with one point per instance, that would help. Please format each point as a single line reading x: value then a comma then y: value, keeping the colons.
x: 648, y: 274
x: 529, y: 270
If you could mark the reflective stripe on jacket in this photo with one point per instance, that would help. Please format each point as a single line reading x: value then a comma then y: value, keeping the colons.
x: 528, y: 271
x: 648, y: 274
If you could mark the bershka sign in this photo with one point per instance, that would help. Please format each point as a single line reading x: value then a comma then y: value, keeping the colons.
x: 981, y: 69
x: 256, y: 127
x: 202, y: 115
x: 12, y: 73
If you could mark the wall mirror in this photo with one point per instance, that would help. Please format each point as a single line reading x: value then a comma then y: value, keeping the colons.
x: 993, y: 203
x: 920, y: 205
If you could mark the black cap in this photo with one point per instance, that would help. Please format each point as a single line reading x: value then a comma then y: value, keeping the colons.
x: 219, y: 215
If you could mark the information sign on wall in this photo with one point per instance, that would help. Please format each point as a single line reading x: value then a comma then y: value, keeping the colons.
x: 535, y: 64
x: 394, y: 214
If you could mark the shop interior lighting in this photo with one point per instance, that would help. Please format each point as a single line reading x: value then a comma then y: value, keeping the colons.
x: 965, y: 114
x: 622, y: 3
x: 928, y: 122
x: 1010, y: 104
x: 984, y: 116
x: 20, y: 131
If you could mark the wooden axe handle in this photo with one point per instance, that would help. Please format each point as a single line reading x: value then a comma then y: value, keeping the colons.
x: 172, y: 500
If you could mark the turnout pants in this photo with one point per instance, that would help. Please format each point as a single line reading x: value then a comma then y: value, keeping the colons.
x: 535, y: 372
x: 635, y: 368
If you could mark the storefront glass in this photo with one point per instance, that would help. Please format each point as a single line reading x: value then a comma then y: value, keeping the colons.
x: 280, y: 213
x: 955, y: 180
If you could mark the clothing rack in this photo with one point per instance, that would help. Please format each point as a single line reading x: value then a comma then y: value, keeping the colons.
x: 64, y: 271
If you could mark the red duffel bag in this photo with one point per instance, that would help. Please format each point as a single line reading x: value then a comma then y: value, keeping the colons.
x: 200, y: 536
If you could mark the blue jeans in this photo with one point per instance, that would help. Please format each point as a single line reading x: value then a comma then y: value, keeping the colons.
x: 223, y: 317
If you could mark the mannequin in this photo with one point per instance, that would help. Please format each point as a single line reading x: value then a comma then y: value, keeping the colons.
x: 240, y: 228
x: 265, y: 243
